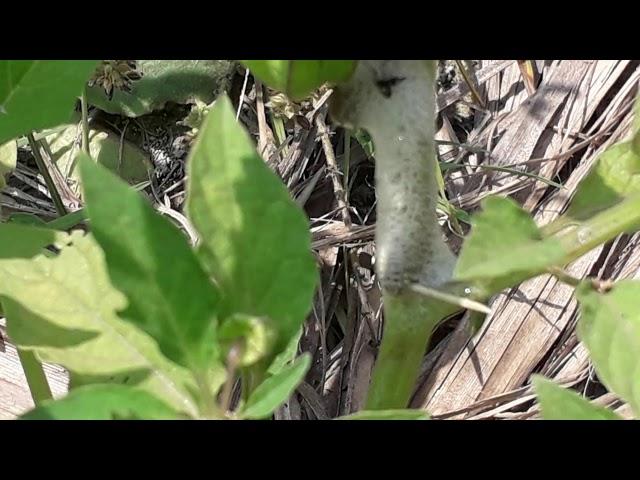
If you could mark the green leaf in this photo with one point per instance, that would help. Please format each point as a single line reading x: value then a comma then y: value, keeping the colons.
x: 8, y: 157
x: 37, y: 94
x: 255, y: 240
x: 104, y: 402
x: 615, y: 176
x: 287, y: 356
x: 151, y: 262
x: 609, y: 326
x: 387, y: 415
x: 505, y: 246
x: 177, y: 81
x: 26, y: 219
x: 559, y: 403
x: 64, y: 309
x: 63, y: 223
x: 25, y: 241
x: 274, y: 391
x: 123, y: 158
x: 299, y: 78
x: 68, y: 221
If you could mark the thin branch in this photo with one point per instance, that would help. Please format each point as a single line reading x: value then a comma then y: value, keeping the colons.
x: 334, y: 172
x: 44, y: 171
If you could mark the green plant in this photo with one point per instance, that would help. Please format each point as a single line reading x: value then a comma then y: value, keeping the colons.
x: 382, y: 98
x: 162, y: 81
x: 103, y: 336
x: 392, y: 100
x: 150, y: 327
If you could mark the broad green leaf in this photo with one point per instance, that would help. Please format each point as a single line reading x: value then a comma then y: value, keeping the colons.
x: 609, y: 326
x: 62, y: 223
x: 104, y: 402
x: 274, y: 391
x: 125, y: 160
x: 387, y: 415
x: 505, y: 246
x: 176, y: 81
x: 299, y: 78
x: 287, y: 356
x: 255, y: 240
x: 30, y: 219
x: 252, y: 334
x: 26, y: 241
x: 559, y: 403
x: 8, y: 157
x: 150, y: 260
x: 20, y: 241
x: 615, y: 176
x: 37, y: 94
x: 64, y: 308
x: 68, y: 221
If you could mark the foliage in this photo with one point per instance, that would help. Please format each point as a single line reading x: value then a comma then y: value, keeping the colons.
x: 162, y: 81
x: 150, y: 327
x: 298, y: 78
x: 561, y: 404
x: 37, y: 94
x: 134, y: 312
x: 8, y: 157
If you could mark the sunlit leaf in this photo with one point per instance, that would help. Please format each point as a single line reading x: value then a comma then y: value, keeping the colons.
x: 387, y: 415
x: 150, y: 260
x: 37, y: 94
x: 275, y: 390
x: 104, y: 402
x: 255, y: 240
x: 298, y: 78
x: 609, y: 326
x: 505, y: 246
x: 64, y: 309
x: 559, y: 403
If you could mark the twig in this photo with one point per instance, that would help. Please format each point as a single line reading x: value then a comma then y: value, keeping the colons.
x: 85, y: 122
x: 244, y: 88
x: 265, y: 140
x: 332, y: 168
x: 42, y: 167
x: 452, y: 299
x: 181, y: 220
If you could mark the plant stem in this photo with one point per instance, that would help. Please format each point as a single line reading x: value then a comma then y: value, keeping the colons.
x: 36, y: 379
x: 409, y: 323
x: 583, y: 236
x: 209, y: 408
x: 410, y: 248
x: 44, y: 171
x: 85, y: 122
x: 576, y: 238
x: 347, y: 164
x: 565, y: 277
x: 408, y: 237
